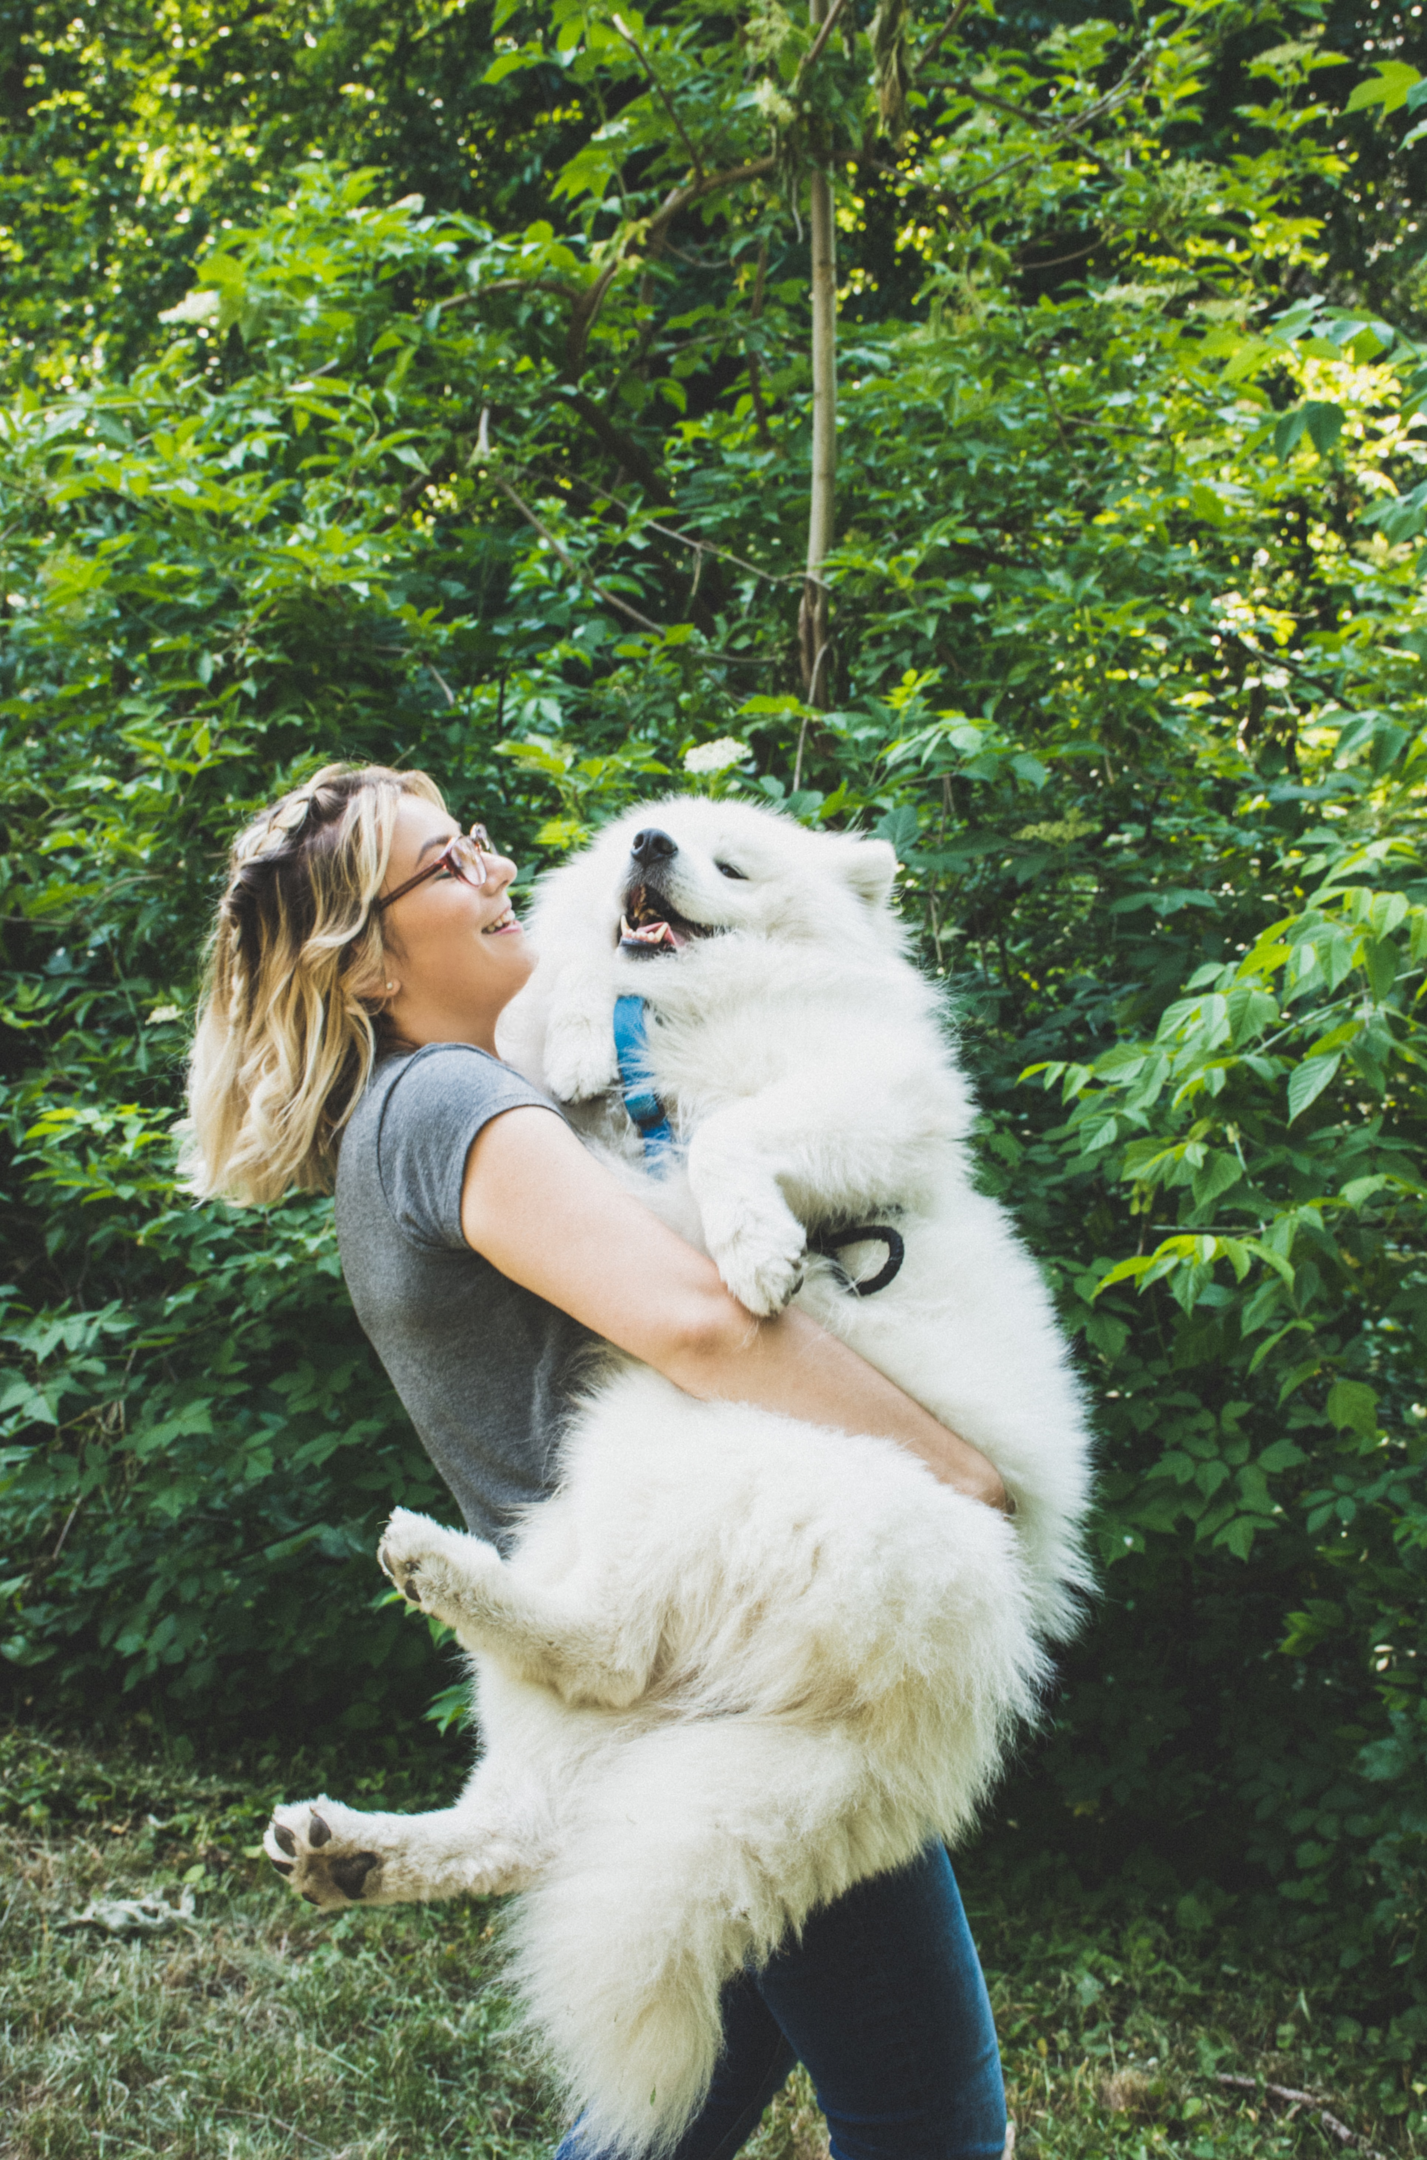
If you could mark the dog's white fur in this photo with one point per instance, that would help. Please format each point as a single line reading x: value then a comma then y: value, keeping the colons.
x: 738, y: 1662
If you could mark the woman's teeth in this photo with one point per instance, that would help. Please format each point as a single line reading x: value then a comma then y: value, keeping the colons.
x: 502, y: 922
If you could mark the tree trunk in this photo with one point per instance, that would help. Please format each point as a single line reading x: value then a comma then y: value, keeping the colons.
x: 813, y: 615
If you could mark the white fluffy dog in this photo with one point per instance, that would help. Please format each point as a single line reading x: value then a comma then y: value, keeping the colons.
x: 738, y: 1663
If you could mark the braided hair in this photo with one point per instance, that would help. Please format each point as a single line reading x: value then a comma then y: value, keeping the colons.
x: 291, y: 1014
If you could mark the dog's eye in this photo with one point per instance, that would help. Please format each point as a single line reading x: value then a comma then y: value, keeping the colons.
x: 726, y: 869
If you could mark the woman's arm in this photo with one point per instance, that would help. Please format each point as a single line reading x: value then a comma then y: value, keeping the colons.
x: 550, y: 1216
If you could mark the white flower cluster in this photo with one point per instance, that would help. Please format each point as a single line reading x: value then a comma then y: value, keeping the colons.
x: 772, y: 104
x: 199, y: 306
x: 716, y: 756
x: 1233, y: 610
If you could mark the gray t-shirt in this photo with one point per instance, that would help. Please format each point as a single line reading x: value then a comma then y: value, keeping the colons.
x: 484, y: 1367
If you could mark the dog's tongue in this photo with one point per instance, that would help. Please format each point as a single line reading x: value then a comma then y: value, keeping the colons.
x: 653, y: 933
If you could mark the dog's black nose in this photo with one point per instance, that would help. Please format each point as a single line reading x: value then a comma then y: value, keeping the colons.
x: 651, y: 846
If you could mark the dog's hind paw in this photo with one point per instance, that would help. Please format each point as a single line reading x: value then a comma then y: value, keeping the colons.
x: 335, y: 1857
x: 313, y: 1845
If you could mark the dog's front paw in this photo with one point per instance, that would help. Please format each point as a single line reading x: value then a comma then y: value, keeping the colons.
x: 434, y: 1568
x: 318, y: 1846
x: 760, y: 1262
x: 580, y: 1059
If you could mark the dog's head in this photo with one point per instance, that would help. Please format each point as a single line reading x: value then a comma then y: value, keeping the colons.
x: 670, y: 875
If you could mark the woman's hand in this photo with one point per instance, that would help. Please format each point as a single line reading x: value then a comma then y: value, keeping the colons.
x: 544, y: 1211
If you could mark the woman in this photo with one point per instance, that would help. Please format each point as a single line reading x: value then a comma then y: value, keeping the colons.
x: 363, y: 955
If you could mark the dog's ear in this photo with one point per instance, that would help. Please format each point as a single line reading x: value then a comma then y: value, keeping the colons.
x: 870, y: 867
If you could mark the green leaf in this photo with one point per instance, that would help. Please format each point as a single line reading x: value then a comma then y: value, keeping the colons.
x: 1388, y: 88
x: 902, y: 828
x: 1325, y: 422
x: 1352, y: 1407
x: 1307, y: 1081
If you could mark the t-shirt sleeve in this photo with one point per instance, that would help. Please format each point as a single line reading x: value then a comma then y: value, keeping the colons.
x: 432, y: 1114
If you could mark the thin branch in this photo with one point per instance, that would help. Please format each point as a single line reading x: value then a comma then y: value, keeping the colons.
x: 660, y: 92
x: 680, y: 198
x: 1339, y: 2130
x: 1054, y: 408
x: 1015, y: 165
x: 1291, y: 667
x: 516, y: 284
x: 587, y: 578
x: 999, y: 104
x: 68, y: 1526
x: 1063, y: 130
x: 591, y: 298
x: 705, y: 547
x: 815, y: 49
x: 1035, y: 120
x: 938, y: 38
x: 576, y: 569
x: 755, y: 373
x: 1056, y: 261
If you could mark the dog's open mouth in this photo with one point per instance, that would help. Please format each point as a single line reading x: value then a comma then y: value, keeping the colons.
x: 650, y: 925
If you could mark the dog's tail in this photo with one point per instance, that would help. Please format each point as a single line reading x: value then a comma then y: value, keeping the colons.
x: 695, y: 1852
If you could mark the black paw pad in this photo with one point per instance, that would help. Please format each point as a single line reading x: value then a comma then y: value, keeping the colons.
x: 350, y: 1874
x: 286, y: 1839
x: 318, y: 1831
x: 284, y: 1867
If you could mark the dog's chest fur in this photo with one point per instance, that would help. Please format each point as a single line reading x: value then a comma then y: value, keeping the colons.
x: 762, y: 1014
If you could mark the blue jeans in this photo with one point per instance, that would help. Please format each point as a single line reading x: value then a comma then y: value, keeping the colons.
x: 883, y: 2000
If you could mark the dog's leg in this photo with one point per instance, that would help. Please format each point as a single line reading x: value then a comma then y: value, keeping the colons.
x: 762, y: 1168
x: 687, y: 1857
x: 333, y: 1855
x: 753, y: 1237
x: 579, y: 1058
x: 536, y: 1634
x: 499, y: 1836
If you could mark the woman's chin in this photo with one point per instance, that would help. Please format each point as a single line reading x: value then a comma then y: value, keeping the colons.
x: 515, y: 957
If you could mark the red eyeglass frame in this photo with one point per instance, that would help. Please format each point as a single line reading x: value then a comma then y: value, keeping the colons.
x: 448, y: 859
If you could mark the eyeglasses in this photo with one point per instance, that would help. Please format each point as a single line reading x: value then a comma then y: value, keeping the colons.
x: 467, y: 857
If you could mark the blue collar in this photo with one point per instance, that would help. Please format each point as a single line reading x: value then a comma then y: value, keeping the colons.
x: 641, y: 1098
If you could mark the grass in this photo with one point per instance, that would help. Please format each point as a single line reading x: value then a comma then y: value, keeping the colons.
x: 258, y: 2028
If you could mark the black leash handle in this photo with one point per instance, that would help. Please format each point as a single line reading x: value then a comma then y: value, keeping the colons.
x: 830, y: 1243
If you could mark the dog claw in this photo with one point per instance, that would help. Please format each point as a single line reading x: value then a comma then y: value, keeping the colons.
x: 286, y: 1839
x: 318, y: 1831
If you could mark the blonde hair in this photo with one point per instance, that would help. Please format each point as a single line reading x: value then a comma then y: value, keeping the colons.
x: 296, y: 978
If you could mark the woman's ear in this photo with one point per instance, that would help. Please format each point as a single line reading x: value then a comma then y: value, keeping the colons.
x: 869, y: 866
